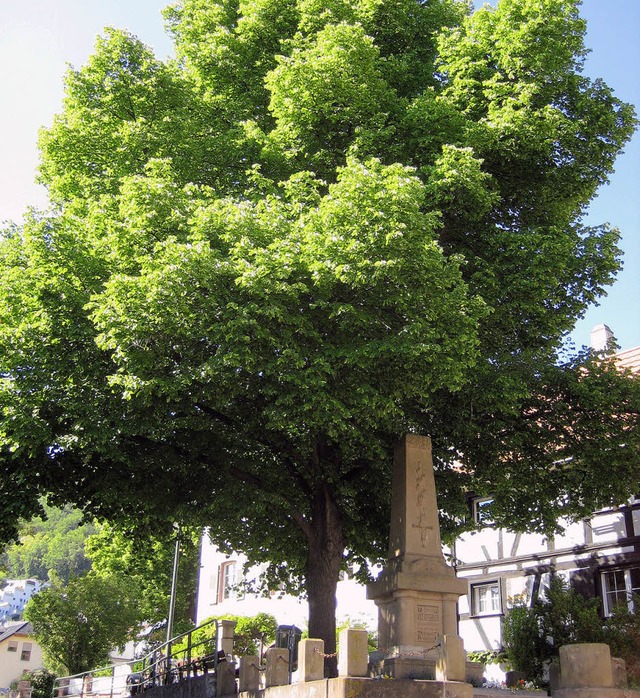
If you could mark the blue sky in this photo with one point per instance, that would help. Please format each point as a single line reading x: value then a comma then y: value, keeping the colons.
x: 39, y: 37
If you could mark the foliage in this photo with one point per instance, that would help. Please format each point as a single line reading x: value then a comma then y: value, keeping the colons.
x: 622, y: 634
x: 77, y: 625
x: 146, y: 560
x: 49, y: 546
x: 487, y: 656
x: 41, y: 682
x: 533, y: 636
x: 323, y: 225
x: 250, y: 634
x: 525, y: 647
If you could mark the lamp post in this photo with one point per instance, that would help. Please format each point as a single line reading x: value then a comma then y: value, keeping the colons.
x: 174, y: 584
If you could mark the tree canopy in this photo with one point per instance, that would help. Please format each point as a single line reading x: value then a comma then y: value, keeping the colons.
x: 77, y: 625
x: 146, y: 562
x: 323, y: 224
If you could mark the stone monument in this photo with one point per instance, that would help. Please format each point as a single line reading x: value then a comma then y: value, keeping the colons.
x: 417, y: 591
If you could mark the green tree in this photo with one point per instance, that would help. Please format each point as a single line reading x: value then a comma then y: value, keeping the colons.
x: 52, y: 546
x: 326, y: 223
x: 532, y: 636
x: 77, y: 625
x: 147, y: 562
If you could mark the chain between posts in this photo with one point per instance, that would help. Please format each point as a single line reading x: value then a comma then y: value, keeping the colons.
x: 326, y: 656
x: 415, y: 654
x: 404, y: 654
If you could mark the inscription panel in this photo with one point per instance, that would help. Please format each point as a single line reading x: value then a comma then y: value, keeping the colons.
x: 428, y: 624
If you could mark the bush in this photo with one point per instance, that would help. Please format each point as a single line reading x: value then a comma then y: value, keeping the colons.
x: 622, y: 634
x: 41, y: 682
x: 532, y: 637
x: 523, y: 641
x: 250, y: 631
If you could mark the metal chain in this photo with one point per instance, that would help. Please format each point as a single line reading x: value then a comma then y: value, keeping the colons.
x: 400, y: 656
x: 326, y: 656
x: 413, y: 654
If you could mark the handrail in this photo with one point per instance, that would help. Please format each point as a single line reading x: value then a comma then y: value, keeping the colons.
x: 161, y: 666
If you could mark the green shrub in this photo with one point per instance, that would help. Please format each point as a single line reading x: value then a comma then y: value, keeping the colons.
x: 250, y: 631
x: 523, y: 641
x: 532, y: 637
x: 41, y: 682
x: 488, y: 656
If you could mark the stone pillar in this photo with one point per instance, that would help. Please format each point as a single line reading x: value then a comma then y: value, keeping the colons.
x: 310, y: 660
x: 227, y: 629
x: 586, y: 665
x: 417, y: 591
x: 24, y: 688
x: 353, y: 652
x: 249, y: 673
x: 450, y: 614
x: 415, y: 528
x: 226, y: 679
x: 450, y: 664
x: 277, y: 671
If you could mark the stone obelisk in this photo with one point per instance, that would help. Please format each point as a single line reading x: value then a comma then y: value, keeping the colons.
x: 417, y: 591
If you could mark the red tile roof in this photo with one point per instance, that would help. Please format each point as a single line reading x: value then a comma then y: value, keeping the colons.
x: 629, y: 359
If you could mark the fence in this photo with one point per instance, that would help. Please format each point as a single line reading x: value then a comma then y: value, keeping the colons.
x: 181, y: 658
x: 184, y: 658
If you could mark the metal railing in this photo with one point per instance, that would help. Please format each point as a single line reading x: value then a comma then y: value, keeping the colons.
x: 179, y: 659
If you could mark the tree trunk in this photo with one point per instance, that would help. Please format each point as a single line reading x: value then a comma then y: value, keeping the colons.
x: 326, y: 548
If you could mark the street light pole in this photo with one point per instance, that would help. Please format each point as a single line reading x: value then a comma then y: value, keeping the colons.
x: 174, y: 584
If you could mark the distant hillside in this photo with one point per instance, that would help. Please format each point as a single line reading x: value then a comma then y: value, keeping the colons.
x: 49, y: 548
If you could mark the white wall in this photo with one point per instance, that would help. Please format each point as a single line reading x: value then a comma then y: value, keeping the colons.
x: 11, y: 664
x: 288, y: 610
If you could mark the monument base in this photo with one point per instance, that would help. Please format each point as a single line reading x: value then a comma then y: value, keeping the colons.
x: 404, y: 668
x: 421, y: 668
x: 346, y: 687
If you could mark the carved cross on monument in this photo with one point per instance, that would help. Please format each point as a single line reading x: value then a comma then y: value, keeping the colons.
x: 417, y: 592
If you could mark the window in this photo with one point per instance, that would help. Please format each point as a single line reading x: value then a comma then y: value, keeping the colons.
x: 619, y: 587
x: 227, y: 581
x: 13, y: 646
x: 481, y: 508
x: 25, y: 656
x: 485, y: 599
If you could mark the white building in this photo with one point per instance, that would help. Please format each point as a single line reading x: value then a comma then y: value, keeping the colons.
x: 599, y: 557
x: 15, y: 595
x: 219, y: 593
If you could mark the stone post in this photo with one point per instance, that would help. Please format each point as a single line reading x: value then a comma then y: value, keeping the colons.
x: 227, y: 629
x: 226, y: 679
x: 310, y: 660
x: 249, y: 673
x: 277, y: 671
x: 353, y: 652
x: 586, y: 665
x: 450, y: 664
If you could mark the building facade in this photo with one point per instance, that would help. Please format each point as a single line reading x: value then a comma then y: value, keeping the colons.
x: 19, y: 652
x: 221, y: 590
x: 14, y: 597
x: 599, y: 557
